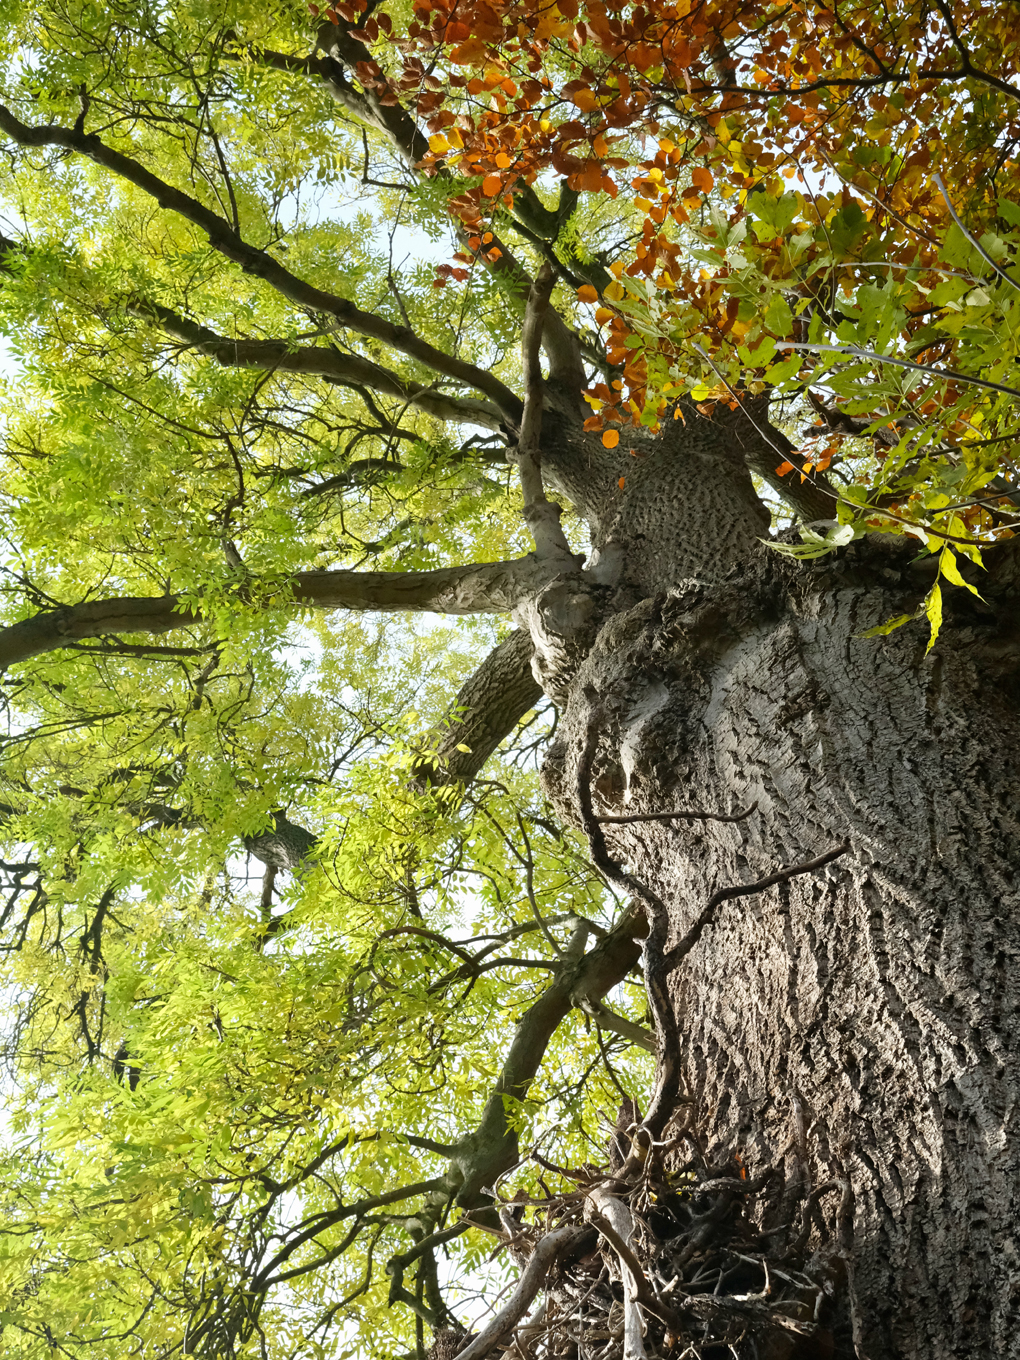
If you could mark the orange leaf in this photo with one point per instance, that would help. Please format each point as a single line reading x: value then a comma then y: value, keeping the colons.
x: 585, y: 100
x: 702, y: 178
x: 587, y: 293
x: 611, y: 438
x: 468, y: 53
x: 783, y: 469
x: 622, y: 483
x: 491, y: 185
x: 593, y: 423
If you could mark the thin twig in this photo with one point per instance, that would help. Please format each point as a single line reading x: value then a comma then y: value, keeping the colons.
x: 855, y: 352
x: 692, y: 816
x: 683, y: 947
x: 973, y: 240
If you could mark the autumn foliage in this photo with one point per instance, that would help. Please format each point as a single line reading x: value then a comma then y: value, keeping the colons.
x: 778, y: 167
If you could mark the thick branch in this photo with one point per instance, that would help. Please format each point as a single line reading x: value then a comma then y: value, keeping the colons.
x: 488, y: 706
x: 223, y: 238
x: 542, y: 515
x: 619, y: 1024
x: 478, y: 588
x: 346, y: 370
x: 614, y: 1220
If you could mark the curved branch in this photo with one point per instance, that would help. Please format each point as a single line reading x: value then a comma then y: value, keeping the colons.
x: 683, y: 947
x: 345, y: 370
x: 330, y: 1217
x: 552, y: 1246
x: 492, y: 1148
x: 260, y: 263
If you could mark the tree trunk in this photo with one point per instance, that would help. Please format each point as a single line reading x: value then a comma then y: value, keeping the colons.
x: 858, y: 1025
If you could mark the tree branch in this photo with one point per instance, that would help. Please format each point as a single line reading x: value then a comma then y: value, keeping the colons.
x: 682, y: 948
x: 260, y: 263
x: 484, y: 1155
x: 329, y: 1217
x: 552, y: 1246
x: 346, y: 370
x: 477, y: 588
x: 488, y: 706
x: 562, y: 346
x: 619, y: 1024
x: 541, y: 515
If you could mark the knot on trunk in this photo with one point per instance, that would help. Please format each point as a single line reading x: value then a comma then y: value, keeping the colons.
x: 562, y: 620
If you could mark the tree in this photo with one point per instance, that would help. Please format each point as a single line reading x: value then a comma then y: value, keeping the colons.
x: 778, y: 770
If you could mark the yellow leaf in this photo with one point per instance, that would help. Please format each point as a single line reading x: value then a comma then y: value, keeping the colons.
x: 949, y: 569
x: 438, y: 144
x: 933, y: 608
x: 585, y: 100
x: 882, y: 629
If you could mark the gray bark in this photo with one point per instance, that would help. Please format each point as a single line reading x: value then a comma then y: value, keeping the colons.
x: 478, y: 588
x: 860, y: 1023
x: 489, y: 704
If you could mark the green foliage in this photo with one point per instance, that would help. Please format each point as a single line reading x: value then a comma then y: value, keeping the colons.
x: 197, y: 1077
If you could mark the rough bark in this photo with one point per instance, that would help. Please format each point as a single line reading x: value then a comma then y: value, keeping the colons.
x: 855, y: 1027
x: 489, y: 704
x: 860, y: 1023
